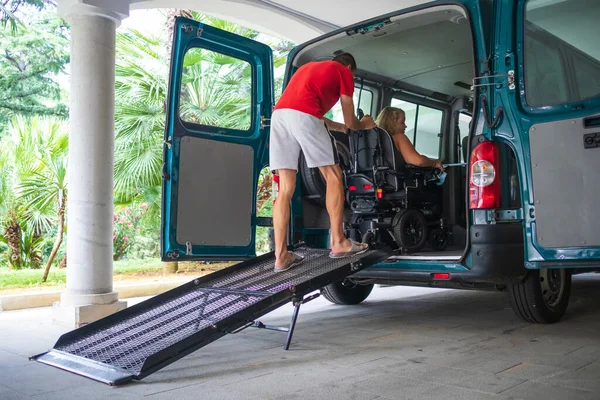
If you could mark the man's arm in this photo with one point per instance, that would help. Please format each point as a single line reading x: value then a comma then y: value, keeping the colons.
x: 350, y: 119
x: 335, y: 126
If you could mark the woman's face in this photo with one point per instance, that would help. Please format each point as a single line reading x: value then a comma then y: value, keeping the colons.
x: 400, y: 125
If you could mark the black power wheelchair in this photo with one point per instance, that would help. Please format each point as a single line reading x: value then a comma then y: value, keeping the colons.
x: 391, y: 202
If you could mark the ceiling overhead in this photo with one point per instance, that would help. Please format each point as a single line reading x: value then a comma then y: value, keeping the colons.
x: 430, y: 49
x: 295, y: 20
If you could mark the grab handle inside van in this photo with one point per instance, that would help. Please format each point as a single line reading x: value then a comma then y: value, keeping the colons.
x: 592, y: 122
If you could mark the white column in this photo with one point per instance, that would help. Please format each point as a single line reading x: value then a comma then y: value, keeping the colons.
x: 89, y: 295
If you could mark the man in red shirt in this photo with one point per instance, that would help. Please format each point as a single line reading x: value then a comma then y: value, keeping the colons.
x: 298, y: 124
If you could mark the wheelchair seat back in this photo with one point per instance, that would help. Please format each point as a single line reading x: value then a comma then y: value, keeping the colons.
x: 375, y: 158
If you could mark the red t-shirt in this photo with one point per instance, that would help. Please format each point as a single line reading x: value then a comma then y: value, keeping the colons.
x: 316, y: 87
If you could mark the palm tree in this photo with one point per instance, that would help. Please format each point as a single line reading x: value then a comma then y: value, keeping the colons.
x: 7, y: 16
x: 34, y: 163
x: 141, y: 86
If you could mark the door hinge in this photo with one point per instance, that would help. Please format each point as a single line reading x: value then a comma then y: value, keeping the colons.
x: 168, y: 142
x: 264, y: 122
x: 505, y: 215
x: 188, y: 248
x: 510, y: 80
x: 187, y: 28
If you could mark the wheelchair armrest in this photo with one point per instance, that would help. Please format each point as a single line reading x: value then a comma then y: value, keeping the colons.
x: 377, y: 169
x: 416, y: 168
x: 428, y: 173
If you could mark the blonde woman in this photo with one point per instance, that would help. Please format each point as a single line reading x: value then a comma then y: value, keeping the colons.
x: 393, y: 119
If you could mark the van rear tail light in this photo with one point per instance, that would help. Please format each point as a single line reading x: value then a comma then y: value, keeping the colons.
x: 484, y: 186
x: 368, y: 186
x: 352, y: 188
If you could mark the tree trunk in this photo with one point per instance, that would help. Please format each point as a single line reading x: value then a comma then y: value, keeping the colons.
x: 63, y: 263
x: 35, y: 256
x: 59, y: 237
x: 13, y: 236
x: 172, y: 13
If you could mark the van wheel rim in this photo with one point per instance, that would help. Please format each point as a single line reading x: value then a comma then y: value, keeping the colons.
x: 552, y: 283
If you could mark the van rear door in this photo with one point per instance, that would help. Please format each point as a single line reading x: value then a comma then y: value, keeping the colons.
x: 220, y: 96
x: 555, y: 108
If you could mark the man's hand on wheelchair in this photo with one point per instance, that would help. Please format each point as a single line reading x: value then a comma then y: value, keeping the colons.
x: 438, y: 164
x: 367, y: 122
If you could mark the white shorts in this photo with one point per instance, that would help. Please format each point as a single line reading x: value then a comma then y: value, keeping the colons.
x: 293, y: 131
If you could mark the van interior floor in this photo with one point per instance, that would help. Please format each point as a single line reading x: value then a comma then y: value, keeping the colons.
x: 453, y: 253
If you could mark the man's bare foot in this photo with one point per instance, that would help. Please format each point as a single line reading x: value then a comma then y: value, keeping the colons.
x: 290, y: 260
x: 344, y: 246
x: 284, y: 259
x: 348, y: 248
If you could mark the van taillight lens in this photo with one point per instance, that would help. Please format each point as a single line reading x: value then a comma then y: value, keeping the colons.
x: 484, y: 187
x: 275, y: 186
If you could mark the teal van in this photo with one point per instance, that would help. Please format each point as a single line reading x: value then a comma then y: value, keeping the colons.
x: 505, y: 93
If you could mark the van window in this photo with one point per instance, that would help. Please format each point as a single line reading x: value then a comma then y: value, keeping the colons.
x: 366, y: 104
x: 216, y: 90
x: 423, y: 126
x: 464, y: 125
x: 562, y: 52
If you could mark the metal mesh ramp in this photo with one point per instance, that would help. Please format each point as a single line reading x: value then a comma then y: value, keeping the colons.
x: 142, y: 339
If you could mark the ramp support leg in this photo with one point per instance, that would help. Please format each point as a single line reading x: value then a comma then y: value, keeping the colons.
x: 297, y: 302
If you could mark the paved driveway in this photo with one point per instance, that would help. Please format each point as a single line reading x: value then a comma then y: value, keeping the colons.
x: 402, y: 343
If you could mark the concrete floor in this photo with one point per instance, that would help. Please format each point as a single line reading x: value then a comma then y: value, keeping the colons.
x: 402, y: 343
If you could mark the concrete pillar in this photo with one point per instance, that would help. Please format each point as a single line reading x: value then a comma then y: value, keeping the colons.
x: 89, y: 295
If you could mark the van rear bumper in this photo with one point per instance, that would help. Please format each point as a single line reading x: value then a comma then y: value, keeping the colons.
x: 497, y: 253
x: 497, y: 257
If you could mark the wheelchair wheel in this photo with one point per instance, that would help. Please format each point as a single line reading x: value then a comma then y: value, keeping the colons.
x: 410, y: 230
x: 438, y: 240
x: 369, y: 238
x: 313, y: 183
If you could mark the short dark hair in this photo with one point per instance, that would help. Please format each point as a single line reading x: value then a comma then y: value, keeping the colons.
x: 346, y: 59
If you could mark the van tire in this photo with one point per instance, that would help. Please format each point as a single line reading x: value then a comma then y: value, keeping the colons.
x: 347, y: 293
x: 543, y: 296
x: 313, y: 183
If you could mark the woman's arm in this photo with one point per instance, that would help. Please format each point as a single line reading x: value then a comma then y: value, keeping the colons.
x: 412, y: 156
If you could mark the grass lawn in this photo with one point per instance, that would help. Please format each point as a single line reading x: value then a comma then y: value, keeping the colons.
x: 123, y: 270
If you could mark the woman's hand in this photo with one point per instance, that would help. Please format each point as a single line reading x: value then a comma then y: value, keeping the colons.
x: 438, y: 164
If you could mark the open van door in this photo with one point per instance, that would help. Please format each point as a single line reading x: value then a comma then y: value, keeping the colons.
x: 555, y: 105
x: 220, y: 96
